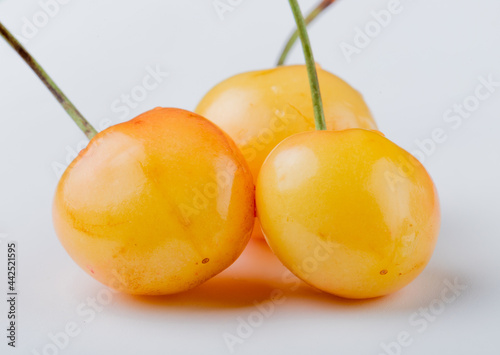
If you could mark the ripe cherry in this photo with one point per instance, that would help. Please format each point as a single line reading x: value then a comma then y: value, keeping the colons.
x: 260, y: 109
x: 155, y: 205
x: 348, y: 212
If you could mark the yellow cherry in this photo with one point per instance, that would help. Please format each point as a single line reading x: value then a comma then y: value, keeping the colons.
x: 156, y: 205
x: 259, y: 109
x: 348, y: 212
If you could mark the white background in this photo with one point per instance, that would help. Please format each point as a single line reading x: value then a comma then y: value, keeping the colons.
x: 429, y: 58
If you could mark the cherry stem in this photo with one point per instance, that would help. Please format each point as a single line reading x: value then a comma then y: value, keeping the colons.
x: 80, y: 121
x: 309, y: 18
x: 319, y: 116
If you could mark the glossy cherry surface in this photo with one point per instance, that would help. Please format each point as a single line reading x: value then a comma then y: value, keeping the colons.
x: 259, y: 109
x: 348, y: 212
x: 156, y: 205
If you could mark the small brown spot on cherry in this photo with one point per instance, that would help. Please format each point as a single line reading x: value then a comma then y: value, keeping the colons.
x: 206, y: 260
x: 383, y: 272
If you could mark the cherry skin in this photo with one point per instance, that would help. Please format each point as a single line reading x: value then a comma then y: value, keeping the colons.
x: 156, y: 205
x: 348, y: 212
x: 259, y: 109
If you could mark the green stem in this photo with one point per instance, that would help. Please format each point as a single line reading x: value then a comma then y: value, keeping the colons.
x: 80, y: 121
x: 319, y: 116
x: 309, y: 18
